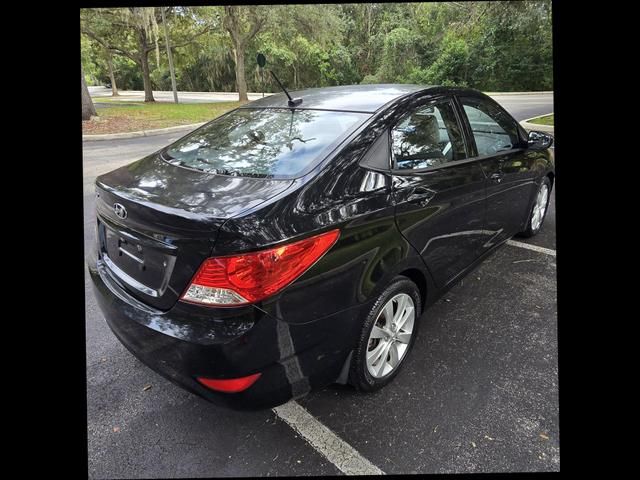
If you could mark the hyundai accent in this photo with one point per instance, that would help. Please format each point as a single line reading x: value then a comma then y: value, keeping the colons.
x: 288, y: 245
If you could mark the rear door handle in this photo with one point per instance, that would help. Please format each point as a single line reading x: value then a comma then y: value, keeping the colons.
x: 497, y: 177
x: 420, y: 195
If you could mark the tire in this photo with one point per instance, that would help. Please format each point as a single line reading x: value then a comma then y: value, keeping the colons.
x: 391, y: 335
x: 536, y: 220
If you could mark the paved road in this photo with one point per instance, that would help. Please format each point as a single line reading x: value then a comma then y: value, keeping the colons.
x: 478, y: 394
x: 525, y: 106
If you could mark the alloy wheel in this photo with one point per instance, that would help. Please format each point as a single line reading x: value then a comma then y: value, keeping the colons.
x: 390, y: 336
x: 540, y: 207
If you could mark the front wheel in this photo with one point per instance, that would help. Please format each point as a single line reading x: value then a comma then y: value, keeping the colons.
x: 388, y: 334
x: 538, y: 210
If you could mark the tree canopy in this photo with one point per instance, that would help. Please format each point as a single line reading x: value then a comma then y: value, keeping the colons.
x: 493, y: 46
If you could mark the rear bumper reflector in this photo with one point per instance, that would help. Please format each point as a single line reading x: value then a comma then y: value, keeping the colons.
x: 229, y: 385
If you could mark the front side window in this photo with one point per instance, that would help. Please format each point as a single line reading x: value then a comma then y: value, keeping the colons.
x: 493, y: 130
x: 263, y: 142
x: 428, y: 137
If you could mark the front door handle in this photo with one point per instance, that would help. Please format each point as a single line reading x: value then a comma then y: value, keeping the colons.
x: 497, y: 177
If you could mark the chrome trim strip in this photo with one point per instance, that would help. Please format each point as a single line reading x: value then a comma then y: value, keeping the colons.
x: 130, y: 255
x: 127, y: 278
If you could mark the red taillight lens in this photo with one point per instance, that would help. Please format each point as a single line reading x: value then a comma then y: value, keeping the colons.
x: 251, y: 277
x: 230, y: 385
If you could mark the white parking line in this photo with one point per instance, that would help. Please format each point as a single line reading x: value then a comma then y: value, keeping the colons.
x: 535, y: 248
x: 346, y: 458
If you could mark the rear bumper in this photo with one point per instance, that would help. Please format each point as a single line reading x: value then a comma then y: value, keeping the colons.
x: 190, y: 341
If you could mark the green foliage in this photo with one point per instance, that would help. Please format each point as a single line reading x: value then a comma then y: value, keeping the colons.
x: 128, y: 76
x: 545, y: 120
x: 398, y: 56
x: 450, y: 68
x: 495, y: 46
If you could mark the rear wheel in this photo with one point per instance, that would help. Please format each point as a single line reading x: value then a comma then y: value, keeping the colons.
x: 538, y: 210
x: 388, y: 334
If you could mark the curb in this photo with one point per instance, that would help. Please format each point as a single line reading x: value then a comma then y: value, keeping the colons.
x: 528, y: 126
x: 141, y: 133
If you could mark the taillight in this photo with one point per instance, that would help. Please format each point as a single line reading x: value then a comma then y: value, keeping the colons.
x: 251, y: 277
x: 229, y: 385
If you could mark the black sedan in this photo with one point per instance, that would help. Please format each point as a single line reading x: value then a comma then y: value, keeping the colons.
x: 287, y: 245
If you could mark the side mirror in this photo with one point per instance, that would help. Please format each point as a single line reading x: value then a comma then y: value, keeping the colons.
x: 539, y: 140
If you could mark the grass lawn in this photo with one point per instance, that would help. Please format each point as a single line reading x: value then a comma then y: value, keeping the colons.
x: 121, y: 117
x: 546, y: 120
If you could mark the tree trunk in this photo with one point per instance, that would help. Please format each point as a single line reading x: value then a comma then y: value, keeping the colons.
x: 146, y: 77
x: 144, y: 63
x: 171, y: 69
x: 88, y: 109
x: 232, y: 22
x: 241, y: 82
x: 114, y: 88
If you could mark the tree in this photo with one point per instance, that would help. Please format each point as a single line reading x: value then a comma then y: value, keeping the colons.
x: 133, y: 33
x: 88, y: 109
x: 100, y: 43
x: 115, y: 29
x: 242, y: 23
x: 112, y: 77
x: 171, y: 69
x: 492, y: 46
x: 143, y: 22
x: 394, y: 67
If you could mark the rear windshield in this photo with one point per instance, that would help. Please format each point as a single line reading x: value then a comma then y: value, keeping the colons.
x: 263, y: 142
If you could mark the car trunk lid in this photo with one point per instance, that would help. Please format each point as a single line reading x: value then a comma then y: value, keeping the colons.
x: 156, y: 223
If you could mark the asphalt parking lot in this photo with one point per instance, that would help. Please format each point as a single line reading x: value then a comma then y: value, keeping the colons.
x: 479, y: 392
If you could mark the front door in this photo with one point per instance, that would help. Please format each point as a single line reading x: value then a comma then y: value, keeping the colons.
x: 500, y: 148
x: 439, y: 192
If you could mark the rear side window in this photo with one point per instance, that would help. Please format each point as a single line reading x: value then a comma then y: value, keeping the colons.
x: 427, y: 137
x: 493, y: 130
x: 263, y: 142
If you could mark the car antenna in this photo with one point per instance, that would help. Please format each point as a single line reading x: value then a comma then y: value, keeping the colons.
x: 293, y: 102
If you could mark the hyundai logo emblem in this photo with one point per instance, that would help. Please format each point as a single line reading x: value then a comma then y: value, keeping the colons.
x: 120, y: 210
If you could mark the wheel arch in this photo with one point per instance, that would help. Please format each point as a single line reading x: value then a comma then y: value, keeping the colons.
x: 420, y: 279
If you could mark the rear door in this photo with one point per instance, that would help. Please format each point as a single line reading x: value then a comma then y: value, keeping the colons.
x: 440, y: 193
x: 498, y: 144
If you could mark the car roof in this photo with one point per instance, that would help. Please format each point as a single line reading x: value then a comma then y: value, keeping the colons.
x: 355, y: 98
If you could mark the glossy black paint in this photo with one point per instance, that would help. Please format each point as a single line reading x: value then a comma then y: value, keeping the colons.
x: 432, y: 226
x: 357, y: 98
